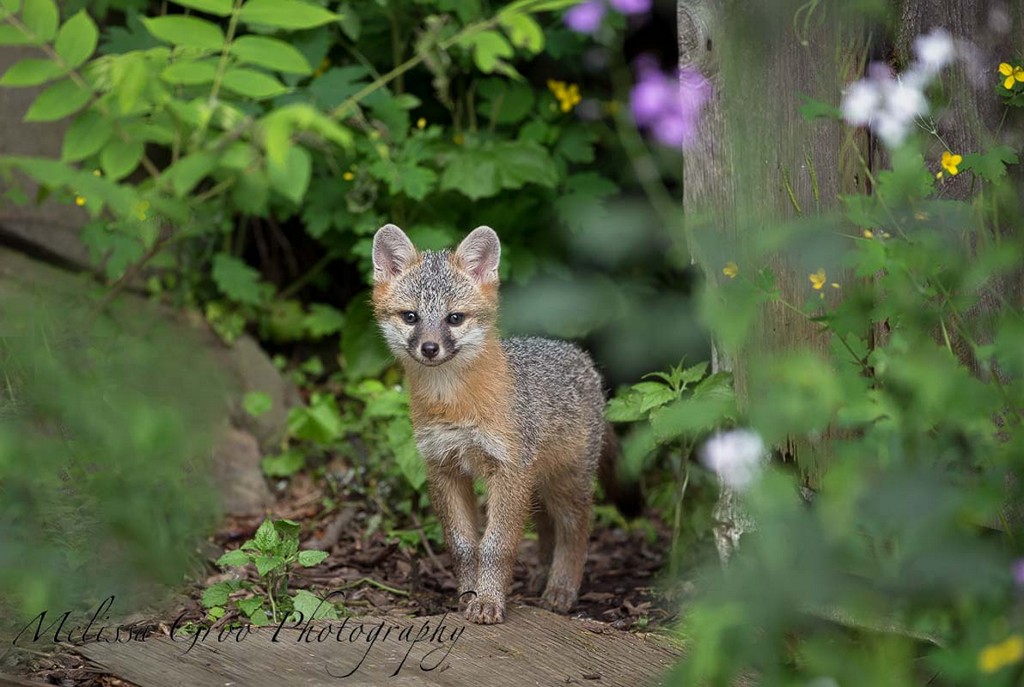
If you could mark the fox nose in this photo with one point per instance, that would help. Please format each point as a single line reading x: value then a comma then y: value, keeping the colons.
x: 430, y: 350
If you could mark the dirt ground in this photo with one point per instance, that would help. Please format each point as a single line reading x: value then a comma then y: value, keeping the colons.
x: 378, y: 576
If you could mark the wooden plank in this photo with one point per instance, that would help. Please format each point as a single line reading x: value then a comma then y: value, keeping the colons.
x: 534, y: 647
x: 13, y: 681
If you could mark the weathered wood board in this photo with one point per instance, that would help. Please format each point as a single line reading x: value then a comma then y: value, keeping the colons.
x: 533, y: 647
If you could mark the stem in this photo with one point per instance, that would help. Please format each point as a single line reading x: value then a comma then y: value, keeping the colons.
x: 308, y: 276
x: 374, y: 583
x: 222, y: 65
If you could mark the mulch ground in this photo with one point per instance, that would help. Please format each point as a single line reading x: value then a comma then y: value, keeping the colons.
x: 378, y: 576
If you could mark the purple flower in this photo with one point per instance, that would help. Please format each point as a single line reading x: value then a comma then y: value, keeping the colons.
x: 667, y: 105
x: 585, y: 18
x: 632, y: 6
x: 650, y: 98
x: 1018, y: 571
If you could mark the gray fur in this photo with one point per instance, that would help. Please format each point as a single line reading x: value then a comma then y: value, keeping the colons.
x: 558, y: 392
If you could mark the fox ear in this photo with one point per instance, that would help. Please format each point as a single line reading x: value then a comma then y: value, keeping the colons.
x: 480, y: 253
x: 393, y: 252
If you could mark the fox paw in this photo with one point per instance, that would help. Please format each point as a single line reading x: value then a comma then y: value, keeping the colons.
x: 485, y: 611
x: 559, y: 599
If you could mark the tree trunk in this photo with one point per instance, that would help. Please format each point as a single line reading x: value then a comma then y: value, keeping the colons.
x: 756, y: 163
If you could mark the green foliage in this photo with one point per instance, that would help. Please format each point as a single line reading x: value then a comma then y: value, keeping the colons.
x: 669, y: 416
x: 195, y: 135
x: 103, y: 482
x: 901, y: 569
x: 273, y: 552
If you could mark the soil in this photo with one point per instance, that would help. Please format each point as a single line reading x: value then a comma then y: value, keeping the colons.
x: 378, y: 576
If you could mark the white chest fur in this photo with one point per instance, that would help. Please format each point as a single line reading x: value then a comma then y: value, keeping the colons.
x: 468, y: 446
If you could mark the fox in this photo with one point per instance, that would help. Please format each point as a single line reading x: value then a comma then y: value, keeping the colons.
x: 525, y: 415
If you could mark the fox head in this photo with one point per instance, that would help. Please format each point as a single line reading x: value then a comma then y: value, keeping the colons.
x: 435, y: 306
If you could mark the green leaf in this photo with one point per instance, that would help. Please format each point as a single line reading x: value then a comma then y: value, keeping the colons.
x: 812, y: 109
x: 233, y: 559
x: 990, y: 165
x: 334, y: 86
x: 59, y: 100
x: 120, y: 158
x: 307, y: 559
x: 320, y: 422
x: 283, y: 465
x: 524, y: 31
x: 217, y: 594
x: 908, y: 180
x: 77, y: 39
x: 189, y: 32
x: 576, y: 144
x: 41, y: 18
x: 12, y: 35
x: 489, y: 50
x: 89, y: 132
x: 473, y: 173
x: 257, y: 403
x: 266, y: 538
x: 415, y: 182
x: 190, y: 72
x: 221, y: 8
x: 251, y: 606
x: 235, y: 279
x: 292, y: 179
x: 323, y: 320
x: 504, y: 101
x: 271, y: 53
x: 692, y: 416
x: 400, y: 437
x: 523, y: 162
x: 189, y: 171
x: 693, y: 374
x: 285, y: 14
x: 310, y: 605
x: 253, y: 84
x: 265, y: 564
x: 31, y: 72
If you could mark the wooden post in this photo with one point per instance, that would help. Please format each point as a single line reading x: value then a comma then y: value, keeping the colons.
x: 758, y: 163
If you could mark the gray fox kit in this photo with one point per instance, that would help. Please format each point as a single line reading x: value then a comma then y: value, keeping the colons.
x: 525, y: 415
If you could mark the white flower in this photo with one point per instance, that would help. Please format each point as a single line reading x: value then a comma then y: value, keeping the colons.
x: 860, y: 102
x: 904, y: 100
x: 934, y: 50
x: 736, y: 456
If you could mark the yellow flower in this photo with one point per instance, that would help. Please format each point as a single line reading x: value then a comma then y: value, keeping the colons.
x: 996, y: 656
x: 458, y: 139
x: 834, y: 285
x: 731, y: 269
x: 79, y: 201
x: 817, y: 279
x: 1011, y: 73
x: 420, y: 123
x: 567, y: 95
x: 348, y: 176
x: 950, y: 162
x: 868, y: 234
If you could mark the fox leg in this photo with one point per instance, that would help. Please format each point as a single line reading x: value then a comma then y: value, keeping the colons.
x: 451, y: 493
x: 568, y: 504
x: 509, y: 495
x: 545, y: 527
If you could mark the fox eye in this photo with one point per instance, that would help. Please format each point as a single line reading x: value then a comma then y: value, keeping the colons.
x: 409, y: 317
x: 455, y: 319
